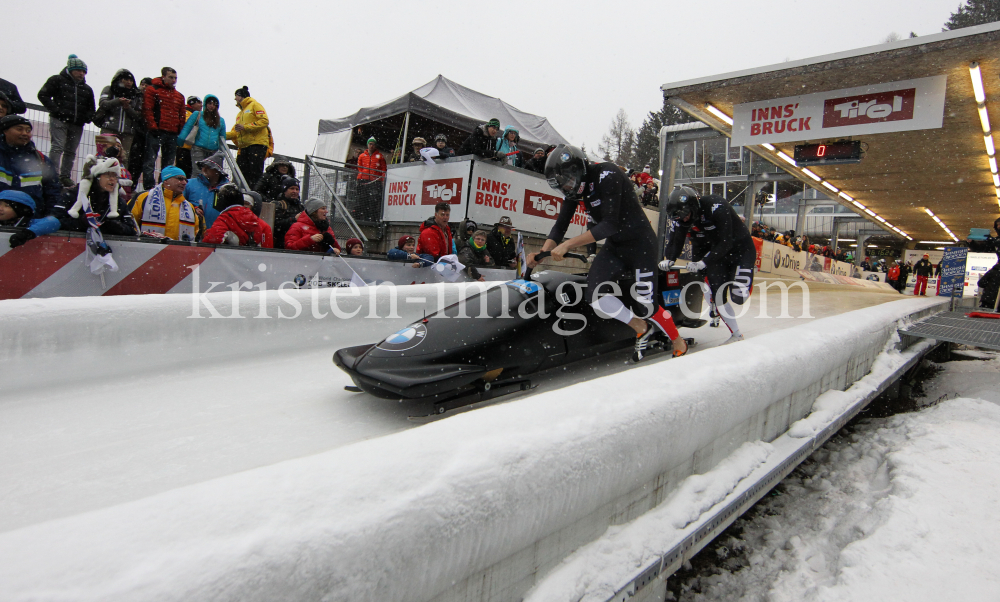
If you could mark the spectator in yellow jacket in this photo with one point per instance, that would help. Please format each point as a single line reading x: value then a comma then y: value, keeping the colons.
x: 251, y: 135
x: 163, y: 211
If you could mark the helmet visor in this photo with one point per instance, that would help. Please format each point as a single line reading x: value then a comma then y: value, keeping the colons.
x: 562, y: 182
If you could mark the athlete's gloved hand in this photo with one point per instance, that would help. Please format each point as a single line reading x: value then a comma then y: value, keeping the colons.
x: 20, y: 237
x: 665, y: 265
x: 695, y: 266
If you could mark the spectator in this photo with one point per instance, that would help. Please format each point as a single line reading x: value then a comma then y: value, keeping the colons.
x: 117, y: 111
x: 405, y: 250
x: 17, y: 210
x: 108, y: 145
x: 183, y: 157
x: 475, y: 255
x: 866, y: 264
x: 137, y: 151
x: 435, y: 235
x: 252, y: 136
x: 371, y: 179
x: 352, y: 161
x: 418, y: 144
x: 904, y: 274
x: 238, y: 222
x: 287, y: 208
x: 96, y: 202
x: 6, y: 106
x: 537, y: 161
x: 501, y: 245
x: 354, y: 247
x: 466, y: 228
x: 70, y: 102
x: 164, y: 115
x: 989, y: 283
x: 269, y: 186
x: 507, y: 147
x: 23, y: 168
x: 650, y: 197
x: 9, y: 90
x: 441, y: 143
x: 204, y: 126
x: 923, y: 270
x: 163, y: 212
x: 203, y: 190
x: 483, y: 141
x: 892, y: 276
x: 311, y: 231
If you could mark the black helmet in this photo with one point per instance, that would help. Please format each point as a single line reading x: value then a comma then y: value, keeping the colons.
x: 565, y: 168
x: 682, y: 203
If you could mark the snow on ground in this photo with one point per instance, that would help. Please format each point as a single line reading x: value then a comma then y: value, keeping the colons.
x: 216, y: 397
x: 898, y: 508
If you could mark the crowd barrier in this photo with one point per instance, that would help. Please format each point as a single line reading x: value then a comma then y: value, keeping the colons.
x: 779, y: 260
x: 57, y: 266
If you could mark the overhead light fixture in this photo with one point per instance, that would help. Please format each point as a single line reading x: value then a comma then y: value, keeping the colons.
x: 846, y: 196
x: 996, y: 181
x: 830, y: 186
x: 977, y: 82
x: 811, y: 175
x: 880, y: 218
x: 941, y: 223
x: 859, y: 205
x: 718, y: 113
x: 936, y: 242
x: 769, y: 147
x: 786, y: 158
x: 870, y: 212
x: 993, y: 164
x: 988, y: 141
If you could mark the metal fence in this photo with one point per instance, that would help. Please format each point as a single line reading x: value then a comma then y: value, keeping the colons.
x: 350, y: 199
x: 42, y: 137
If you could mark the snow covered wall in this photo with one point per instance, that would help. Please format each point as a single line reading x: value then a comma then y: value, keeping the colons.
x: 475, y: 506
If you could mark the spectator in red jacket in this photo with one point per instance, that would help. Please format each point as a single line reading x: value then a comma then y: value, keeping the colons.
x: 239, y: 224
x: 164, y: 113
x: 311, y: 231
x: 435, y: 235
x: 371, y: 180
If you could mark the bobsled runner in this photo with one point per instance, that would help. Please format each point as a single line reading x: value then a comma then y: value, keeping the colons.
x: 491, y: 343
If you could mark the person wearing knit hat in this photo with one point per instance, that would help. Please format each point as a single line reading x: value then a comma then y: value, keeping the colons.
x: 71, y: 104
x: 17, y: 210
x: 163, y: 212
x: 311, y: 231
x: 287, y: 207
x: 252, y: 136
x: 355, y: 247
x: 203, y: 189
x: 418, y: 144
x: 109, y: 145
x: 483, y: 141
x: 21, y: 164
x: 203, y: 129
x: 95, y: 202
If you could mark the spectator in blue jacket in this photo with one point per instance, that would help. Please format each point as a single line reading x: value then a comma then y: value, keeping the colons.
x: 202, y: 191
x: 210, y: 126
x: 23, y: 168
x: 17, y: 210
x: 507, y: 147
x: 406, y: 250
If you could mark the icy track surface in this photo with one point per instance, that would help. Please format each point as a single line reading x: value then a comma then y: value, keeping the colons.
x: 109, y: 400
x: 899, y: 508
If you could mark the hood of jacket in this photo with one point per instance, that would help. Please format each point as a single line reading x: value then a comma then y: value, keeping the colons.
x: 239, y: 217
x: 117, y: 91
x: 273, y: 167
x: 517, y: 134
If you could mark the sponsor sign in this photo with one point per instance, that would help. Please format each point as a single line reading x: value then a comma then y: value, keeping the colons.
x: 412, y: 190
x: 526, y: 199
x: 977, y: 265
x: 915, y: 104
x: 952, y: 274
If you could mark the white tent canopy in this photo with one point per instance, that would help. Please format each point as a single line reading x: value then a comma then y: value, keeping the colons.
x: 443, y: 101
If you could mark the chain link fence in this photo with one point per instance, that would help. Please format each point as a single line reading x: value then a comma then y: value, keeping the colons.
x: 42, y: 137
x: 352, y: 202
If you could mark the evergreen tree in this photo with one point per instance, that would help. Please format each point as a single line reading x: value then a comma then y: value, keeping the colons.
x: 974, y: 12
x: 647, y: 146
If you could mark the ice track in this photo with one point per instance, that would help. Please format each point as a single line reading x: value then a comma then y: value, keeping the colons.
x: 108, y: 400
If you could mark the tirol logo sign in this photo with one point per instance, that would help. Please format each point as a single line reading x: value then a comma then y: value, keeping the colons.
x: 448, y: 190
x: 869, y: 108
x: 915, y: 104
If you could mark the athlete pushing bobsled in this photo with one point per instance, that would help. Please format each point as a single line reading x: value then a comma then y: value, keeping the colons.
x: 629, y: 251
x: 721, y: 248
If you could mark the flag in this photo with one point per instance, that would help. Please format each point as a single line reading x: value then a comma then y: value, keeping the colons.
x: 522, y: 260
x: 449, y: 267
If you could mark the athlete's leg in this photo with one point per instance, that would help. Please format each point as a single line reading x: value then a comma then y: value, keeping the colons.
x: 640, y: 257
x: 607, y: 268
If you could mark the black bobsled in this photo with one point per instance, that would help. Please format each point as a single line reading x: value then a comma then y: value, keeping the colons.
x: 491, y: 343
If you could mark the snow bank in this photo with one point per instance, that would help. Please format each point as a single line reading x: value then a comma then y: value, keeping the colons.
x: 407, y: 516
x: 53, y: 341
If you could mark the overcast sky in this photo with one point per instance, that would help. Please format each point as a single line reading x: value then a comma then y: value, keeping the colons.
x: 576, y: 63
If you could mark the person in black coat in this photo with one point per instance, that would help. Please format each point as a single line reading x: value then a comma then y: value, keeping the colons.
x: 483, y: 140
x: 70, y: 102
x: 9, y: 90
x: 475, y: 254
x: 269, y: 186
x: 501, y: 244
x: 99, y: 185
x: 444, y: 151
x: 537, y: 162
x: 989, y: 283
x: 287, y: 208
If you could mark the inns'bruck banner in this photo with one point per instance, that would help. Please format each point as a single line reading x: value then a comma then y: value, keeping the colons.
x: 915, y: 104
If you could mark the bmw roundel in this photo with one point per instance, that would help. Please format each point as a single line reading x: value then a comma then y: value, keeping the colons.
x: 564, y: 157
x: 407, y: 338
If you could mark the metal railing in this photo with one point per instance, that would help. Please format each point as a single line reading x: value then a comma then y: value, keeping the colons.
x: 42, y: 137
x: 339, y: 211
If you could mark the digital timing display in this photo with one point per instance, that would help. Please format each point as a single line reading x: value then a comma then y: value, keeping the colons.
x: 826, y: 154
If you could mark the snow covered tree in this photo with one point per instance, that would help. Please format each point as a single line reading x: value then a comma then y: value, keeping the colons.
x: 974, y: 12
x: 617, y: 144
x: 647, y: 144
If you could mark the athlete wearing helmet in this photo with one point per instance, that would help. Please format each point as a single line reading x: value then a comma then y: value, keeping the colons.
x: 629, y: 250
x: 721, y: 248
